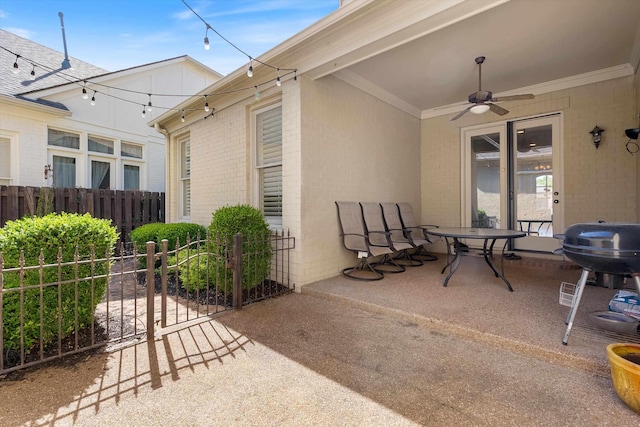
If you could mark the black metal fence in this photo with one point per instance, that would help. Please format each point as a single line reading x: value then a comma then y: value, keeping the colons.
x: 149, y: 287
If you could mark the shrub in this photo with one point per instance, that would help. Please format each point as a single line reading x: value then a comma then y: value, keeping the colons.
x: 256, y: 247
x: 173, y: 232
x: 53, y: 235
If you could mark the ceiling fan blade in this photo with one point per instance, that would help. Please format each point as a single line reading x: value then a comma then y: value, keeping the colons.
x: 460, y: 114
x: 513, y: 97
x: 498, y: 109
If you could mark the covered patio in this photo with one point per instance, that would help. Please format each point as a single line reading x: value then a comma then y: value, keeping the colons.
x: 477, y: 305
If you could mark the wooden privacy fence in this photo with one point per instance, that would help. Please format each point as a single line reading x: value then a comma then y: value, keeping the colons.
x: 127, y: 209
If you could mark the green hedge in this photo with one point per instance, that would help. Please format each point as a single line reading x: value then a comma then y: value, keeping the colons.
x: 209, y: 266
x: 50, y: 234
x: 158, y: 231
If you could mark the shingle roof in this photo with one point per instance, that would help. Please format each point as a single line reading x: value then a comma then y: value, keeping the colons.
x: 49, y: 72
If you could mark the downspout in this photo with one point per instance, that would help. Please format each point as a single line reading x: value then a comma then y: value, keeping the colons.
x: 167, y: 186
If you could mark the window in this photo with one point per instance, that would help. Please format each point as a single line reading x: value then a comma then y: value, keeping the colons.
x: 100, y: 175
x: 100, y: 145
x: 131, y: 150
x: 64, y: 139
x: 64, y: 171
x: 269, y: 162
x: 131, y: 177
x: 5, y: 161
x: 185, y: 176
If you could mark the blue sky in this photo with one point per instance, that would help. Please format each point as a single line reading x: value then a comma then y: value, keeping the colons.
x: 118, y: 34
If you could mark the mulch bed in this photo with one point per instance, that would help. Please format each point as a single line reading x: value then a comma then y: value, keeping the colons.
x: 212, y: 296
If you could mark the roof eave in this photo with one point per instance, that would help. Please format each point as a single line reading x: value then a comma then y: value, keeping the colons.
x: 34, y: 105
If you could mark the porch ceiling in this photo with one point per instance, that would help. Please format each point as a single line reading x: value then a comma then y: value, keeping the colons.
x: 526, y: 43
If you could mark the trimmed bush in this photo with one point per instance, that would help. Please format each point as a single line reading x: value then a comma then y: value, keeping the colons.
x: 53, y: 235
x: 158, y: 231
x: 256, y: 247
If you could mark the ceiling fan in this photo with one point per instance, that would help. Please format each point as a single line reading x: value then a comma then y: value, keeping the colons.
x: 482, y: 100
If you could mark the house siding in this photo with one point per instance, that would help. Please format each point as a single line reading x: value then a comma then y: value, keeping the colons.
x: 599, y: 184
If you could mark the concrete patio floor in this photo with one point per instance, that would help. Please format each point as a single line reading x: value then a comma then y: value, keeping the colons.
x: 401, y: 351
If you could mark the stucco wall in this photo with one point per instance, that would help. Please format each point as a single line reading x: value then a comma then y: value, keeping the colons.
x: 354, y: 148
x: 598, y: 184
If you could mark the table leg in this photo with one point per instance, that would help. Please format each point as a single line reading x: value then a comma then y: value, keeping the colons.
x: 488, y: 256
x: 574, y: 307
x: 449, y: 259
x: 453, y: 265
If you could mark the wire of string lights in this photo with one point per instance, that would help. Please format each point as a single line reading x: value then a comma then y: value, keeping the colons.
x: 249, y: 57
x: 89, y: 85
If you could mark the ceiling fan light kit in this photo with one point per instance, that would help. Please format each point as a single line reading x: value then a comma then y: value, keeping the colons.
x: 479, y: 108
x: 483, y: 101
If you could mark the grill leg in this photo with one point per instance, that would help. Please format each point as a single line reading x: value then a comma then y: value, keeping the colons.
x: 576, y: 302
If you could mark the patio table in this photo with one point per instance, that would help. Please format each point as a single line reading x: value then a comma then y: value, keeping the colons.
x: 485, y: 234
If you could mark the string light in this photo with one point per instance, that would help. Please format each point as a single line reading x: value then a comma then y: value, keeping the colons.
x: 206, y: 104
x: 251, y: 59
x: 278, y: 82
x: 109, y: 90
x: 33, y: 73
x: 15, y: 65
x: 206, y: 39
x: 182, y: 118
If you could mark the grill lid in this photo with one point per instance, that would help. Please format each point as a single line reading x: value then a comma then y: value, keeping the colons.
x: 612, y: 248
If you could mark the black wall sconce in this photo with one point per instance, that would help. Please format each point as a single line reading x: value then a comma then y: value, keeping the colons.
x: 632, y: 145
x: 597, y: 135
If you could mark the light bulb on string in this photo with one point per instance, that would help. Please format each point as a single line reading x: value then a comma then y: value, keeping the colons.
x: 250, y: 70
x: 149, y: 107
x: 257, y: 94
x: 206, y: 39
x: 15, y: 65
x: 144, y: 111
x: 85, y: 95
x: 93, y: 98
x: 278, y: 81
x: 182, y: 118
x: 206, y: 104
x: 33, y: 73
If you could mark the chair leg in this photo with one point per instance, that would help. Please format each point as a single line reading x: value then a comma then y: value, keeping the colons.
x: 389, y: 265
x: 422, y: 255
x: 367, y: 272
x: 407, y: 260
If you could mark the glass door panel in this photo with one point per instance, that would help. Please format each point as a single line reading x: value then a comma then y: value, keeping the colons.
x: 485, y: 180
x: 536, y: 183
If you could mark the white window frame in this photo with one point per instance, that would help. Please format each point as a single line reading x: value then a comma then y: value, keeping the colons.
x: 275, y: 223
x: 112, y: 169
x: 12, y: 178
x: 71, y: 153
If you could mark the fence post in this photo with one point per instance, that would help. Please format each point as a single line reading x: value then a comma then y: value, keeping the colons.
x: 165, y: 248
x: 237, y: 271
x: 151, y: 247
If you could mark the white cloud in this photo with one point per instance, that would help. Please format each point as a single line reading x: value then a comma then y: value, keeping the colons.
x: 24, y: 33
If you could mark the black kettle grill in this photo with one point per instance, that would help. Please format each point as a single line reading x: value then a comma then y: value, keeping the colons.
x: 612, y: 248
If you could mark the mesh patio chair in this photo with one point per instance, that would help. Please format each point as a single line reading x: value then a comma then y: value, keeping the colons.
x: 418, y: 234
x: 399, y: 234
x: 354, y: 238
x: 380, y: 236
